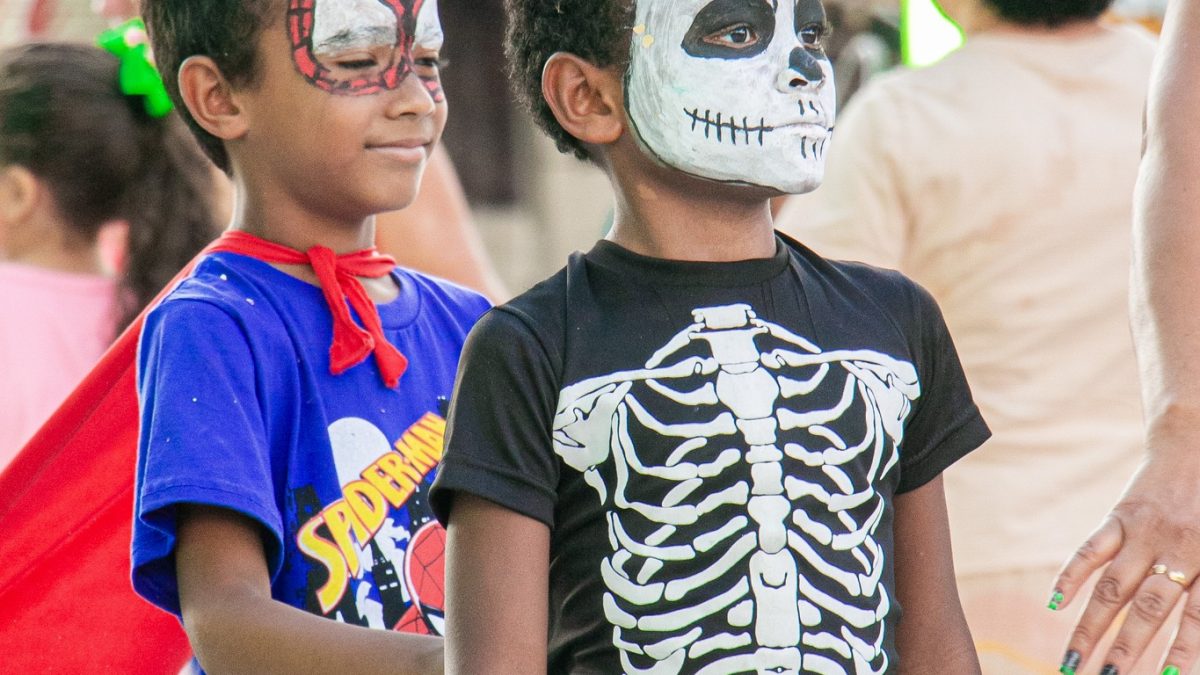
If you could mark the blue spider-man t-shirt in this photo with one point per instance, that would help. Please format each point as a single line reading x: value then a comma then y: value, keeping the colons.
x: 239, y: 410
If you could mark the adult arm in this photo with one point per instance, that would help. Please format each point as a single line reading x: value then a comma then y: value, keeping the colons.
x: 497, y: 571
x: 933, y: 636
x: 236, y: 627
x: 1157, y: 520
x: 436, y: 234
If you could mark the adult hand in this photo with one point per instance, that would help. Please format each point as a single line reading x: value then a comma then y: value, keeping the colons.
x: 1151, y: 544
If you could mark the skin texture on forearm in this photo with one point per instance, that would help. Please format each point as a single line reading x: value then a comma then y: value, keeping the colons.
x: 497, y: 581
x: 1166, y: 273
x: 933, y: 636
x: 235, y: 626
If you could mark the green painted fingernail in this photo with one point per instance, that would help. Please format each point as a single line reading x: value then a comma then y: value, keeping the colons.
x: 1055, y: 600
x: 1170, y: 670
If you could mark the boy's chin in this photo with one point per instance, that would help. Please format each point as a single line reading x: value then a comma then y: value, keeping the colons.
x: 397, y: 198
x: 745, y: 189
x: 799, y: 179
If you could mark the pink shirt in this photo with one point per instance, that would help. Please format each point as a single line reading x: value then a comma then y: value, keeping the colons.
x: 53, y: 328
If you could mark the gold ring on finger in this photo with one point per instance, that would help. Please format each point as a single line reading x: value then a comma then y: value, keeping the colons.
x: 1173, y: 575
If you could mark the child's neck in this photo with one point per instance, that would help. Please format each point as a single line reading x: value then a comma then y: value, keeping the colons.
x: 284, y: 222
x: 50, y: 244
x: 289, y: 224
x: 685, y: 218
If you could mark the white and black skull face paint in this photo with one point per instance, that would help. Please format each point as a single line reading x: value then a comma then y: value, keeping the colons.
x: 736, y: 91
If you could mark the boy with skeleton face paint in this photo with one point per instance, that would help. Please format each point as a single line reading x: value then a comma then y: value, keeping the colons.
x: 290, y: 386
x: 733, y: 91
x: 700, y: 447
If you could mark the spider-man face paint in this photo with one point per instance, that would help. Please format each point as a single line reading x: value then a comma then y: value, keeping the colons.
x: 737, y: 91
x: 359, y: 47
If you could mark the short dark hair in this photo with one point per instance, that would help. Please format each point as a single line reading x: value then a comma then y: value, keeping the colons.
x: 226, y: 31
x: 1048, y: 13
x: 596, y: 30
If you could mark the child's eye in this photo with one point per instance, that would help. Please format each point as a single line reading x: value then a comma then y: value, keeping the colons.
x: 739, y: 36
x: 431, y: 62
x: 813, y: 35
x: 357, y: 64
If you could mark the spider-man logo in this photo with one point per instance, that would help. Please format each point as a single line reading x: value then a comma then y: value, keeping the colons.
x: 425, y: 580
x: 304, y: 31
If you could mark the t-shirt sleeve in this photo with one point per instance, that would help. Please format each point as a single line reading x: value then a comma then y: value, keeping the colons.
x: 859, y: 212
x: 203, y: 438
x: 498, y: 440
x: 945, y: 424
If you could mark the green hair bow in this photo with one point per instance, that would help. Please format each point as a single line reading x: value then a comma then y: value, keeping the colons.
x: 138, y: 76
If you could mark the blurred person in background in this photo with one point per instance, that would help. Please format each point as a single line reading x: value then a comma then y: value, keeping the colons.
x: 82, y: 163
x: 1001, y: 179
x: 1155, y: 523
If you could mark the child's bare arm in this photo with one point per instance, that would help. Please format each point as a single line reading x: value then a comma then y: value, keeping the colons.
x: 497, y: 575
x: 236, y: 627
x: 933, y: 636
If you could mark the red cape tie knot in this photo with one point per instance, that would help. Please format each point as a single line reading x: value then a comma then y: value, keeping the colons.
x: 338, y: 276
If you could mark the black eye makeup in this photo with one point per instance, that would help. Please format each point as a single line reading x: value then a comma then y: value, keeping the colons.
x: 731, y: 29
x: 811, y: 20
x: 813, y: 35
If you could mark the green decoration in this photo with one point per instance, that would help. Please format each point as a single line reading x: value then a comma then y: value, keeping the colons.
x: 926, y: 35
x: 138, y: 76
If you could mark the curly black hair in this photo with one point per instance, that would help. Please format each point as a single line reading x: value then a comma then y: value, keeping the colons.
x: 596, y: 30
x: 1048, y: 13
x: 224, y: 30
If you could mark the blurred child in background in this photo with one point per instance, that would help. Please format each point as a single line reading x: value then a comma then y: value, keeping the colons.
x: 82, y: 163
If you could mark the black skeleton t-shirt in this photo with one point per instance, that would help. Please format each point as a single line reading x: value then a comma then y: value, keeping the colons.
x: 716, y: 448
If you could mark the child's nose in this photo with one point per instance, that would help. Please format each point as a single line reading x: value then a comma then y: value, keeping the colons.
x: 411, y: 97
x: 803, y: 71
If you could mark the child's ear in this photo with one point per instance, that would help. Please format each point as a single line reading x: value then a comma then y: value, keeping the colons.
x: 587, y: 100
x: 19, y: 194
x: 210, y: 99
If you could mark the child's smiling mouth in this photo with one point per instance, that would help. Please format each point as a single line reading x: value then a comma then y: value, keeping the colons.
x: 407, y: 151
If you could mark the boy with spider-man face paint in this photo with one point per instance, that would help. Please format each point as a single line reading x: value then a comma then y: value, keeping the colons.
x: 700, y: 447
x: 291, y: 387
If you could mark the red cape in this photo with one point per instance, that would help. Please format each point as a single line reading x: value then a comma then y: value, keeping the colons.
x: 66, y: 506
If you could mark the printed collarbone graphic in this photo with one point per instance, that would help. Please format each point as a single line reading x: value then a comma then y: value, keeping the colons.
x: 359, y: 47
x: 764, y: 514
x: 735, y: 91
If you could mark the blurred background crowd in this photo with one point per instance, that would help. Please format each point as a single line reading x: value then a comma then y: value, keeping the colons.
x: 1007, y: 191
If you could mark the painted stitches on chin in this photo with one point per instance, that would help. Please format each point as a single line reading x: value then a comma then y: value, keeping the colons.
x: 814, y: 145
x: 719, y: 123
x: 722, y: 127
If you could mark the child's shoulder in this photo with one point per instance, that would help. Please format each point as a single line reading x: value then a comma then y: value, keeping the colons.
x: 888, y: 288
x: 230, y: 282
x: 535, y: 319
x: 444, y: 297
x: 226, y: 299
x: 538, y: 311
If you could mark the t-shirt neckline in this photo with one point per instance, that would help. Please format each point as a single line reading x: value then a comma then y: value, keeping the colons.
x: 397, y: 313
x: 690, y: 272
